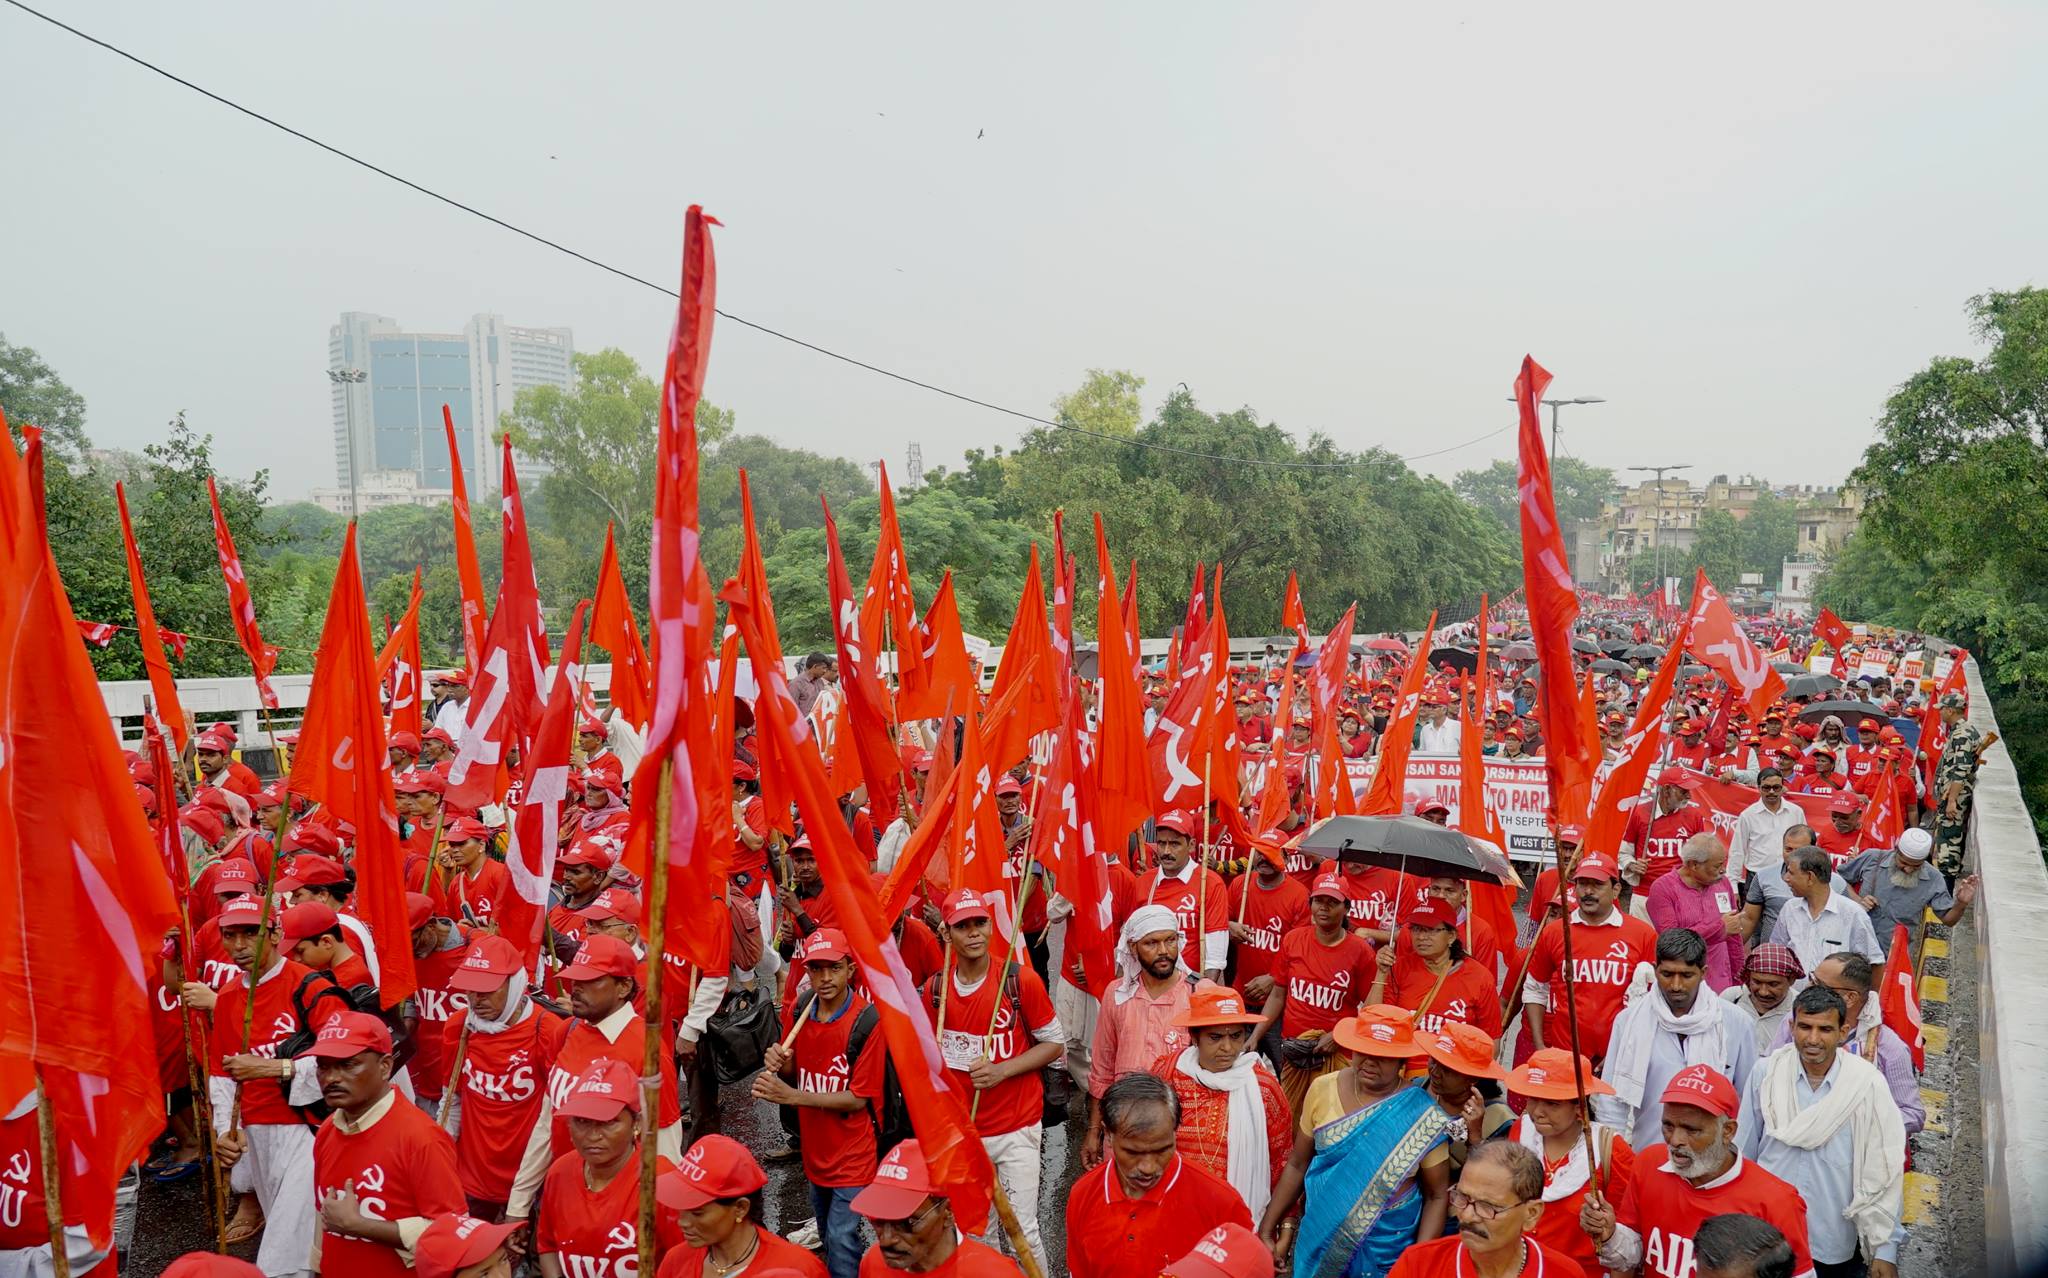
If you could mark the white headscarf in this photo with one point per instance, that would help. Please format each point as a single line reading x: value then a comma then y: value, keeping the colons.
x: 517, y: 1008
x: 1144, y: 921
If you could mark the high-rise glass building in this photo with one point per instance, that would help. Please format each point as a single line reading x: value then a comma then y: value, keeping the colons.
x: 389, y: 422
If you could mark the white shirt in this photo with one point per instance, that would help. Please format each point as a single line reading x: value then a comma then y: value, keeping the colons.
x: 1760, y: 834
x: 450, y: 718
x: 1842, y: 925
x: 1437, y: 738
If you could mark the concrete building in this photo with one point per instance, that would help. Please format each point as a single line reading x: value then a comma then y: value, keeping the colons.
x: 388, y: 387
x: 1826, y: 518
x: 381, y: 488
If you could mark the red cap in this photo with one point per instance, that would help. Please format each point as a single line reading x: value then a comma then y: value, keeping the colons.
x: 1572, y: 834
x: 456, y: 1242
x: 302, y: 922
x: 1008, y: 785
x: 1702, y: 1087
x: 1675, y: 776
x: 419, y: 910
x: 902, y: 1182
x: 613, y: 903
x: 203, y: 822
x: 487, y: 964
x: 309, y: 836
x: 1690, y: 726
x: 717, y: 1167
x: 1461, y: 1047
x: 966, y: 904
x: 409, y: 742
x: 214, y: 739
x: 1430, y: 804
x: 437, y: 734
x: 231, y: 870
x: 1227, y: 1251
x: 311, y: 870
x: 590, y: 728
x: 744, y: 771
x: 419, y: 781
x: 1177, y: 821
x: 243, y: 911
x: 603, y: 1090
x: 601, y: 955
x: 204, y: 1264
x: 1845, y: 801
x: 585, y: 851
x: 1331, y: 884
x: 1431, y: 913
x: 826, y: 945
x: 1595, y: 866
x: 463, y: 830
x: 458, y: 677
x: 349, y: 1034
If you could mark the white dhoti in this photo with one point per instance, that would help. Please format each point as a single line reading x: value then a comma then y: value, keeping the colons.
x: 34, y: 1262
x: 278, y: 1169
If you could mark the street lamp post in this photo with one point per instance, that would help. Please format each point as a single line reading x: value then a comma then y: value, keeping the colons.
x: 345, y: 378
x: 1556, y: 404
x: 1657, y: 529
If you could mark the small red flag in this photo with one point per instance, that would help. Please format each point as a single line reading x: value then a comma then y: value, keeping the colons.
x: 162, y: 685
x: 1833, y: 629
x: 1900, y: 1002
x: 98, y: 633
x: 1027, y: 655
x: 469, y: 578
x: 889, y: 594
x: 860, y: 682
x: 1723, y: 646
x: 753, y: 578
x: 613, y: 629
x: 241, y: 607
x: 530, y: 854
x: 942, y: 676
x: 398, y: 667
x: 1388, y: 792
x: 1293, y: 619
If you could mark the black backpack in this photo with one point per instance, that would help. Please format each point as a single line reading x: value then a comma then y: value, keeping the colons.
x: 892, y: 1120
x: 319, y: 986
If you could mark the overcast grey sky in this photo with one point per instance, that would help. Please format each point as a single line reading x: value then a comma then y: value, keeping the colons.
x: 1742, y: 224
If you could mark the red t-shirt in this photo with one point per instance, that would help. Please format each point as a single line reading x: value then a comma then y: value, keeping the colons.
x: 1015, y: 1103
x: 216, y: 970
x: 1111, y: 1236
x: 1666, y: 1209
x: 1381, y: 897
x: 1603, y: 960
x: 969, y: 1260
x: 24, y: 1221
x: 402, y: 1166
x: 473, y: 898
x: 1324, y: 983
x: 920, y: 950
x: 1445, y: 1258
x: 351, y: 972
x: 437, y: 1007
x: 596, y: 1233
x: 1197, y: 910
x: 838, y: 1145
x: 1271, y: 914
x: 276, y: 1020
x: 501, y: 1094
x: 751, y: 862
x: 584, y: 1044
x: 1468, y: 994
x: 1839, y: 846
x: 1657, y: 841
x: 772, y: 1252
x: 1545, y: 892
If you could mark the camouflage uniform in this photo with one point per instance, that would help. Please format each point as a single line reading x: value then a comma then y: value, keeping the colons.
x: 1958, y: 763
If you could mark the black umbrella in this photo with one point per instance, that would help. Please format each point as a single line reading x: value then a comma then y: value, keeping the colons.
x: 1519, y: 650
x: 1811, y: 684
x: 1617, y: 647
x: 1692, y: 671
x: 1645, y: 652
x: 1790, y: 668
x: 1850, y: 712
x: 1463, y: 659
x: 1608, y: 665
x: 1407, y: 843
x: 1586, y: 643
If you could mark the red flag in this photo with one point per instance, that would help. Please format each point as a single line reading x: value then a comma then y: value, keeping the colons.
x: 240, y: 605
x: 175, y: 641
x: 170, y: 842
x: 1623, y: 787
x: 341, y: 764
x: 681, y: 622
x: 889, y: 594
x: 1063, y: 835
x: 1721, y: 645
x: 753, y: 579
x: 1273, y: 790
x: 867, y: 703
x: 1183, y: 640
x: 1883, y: 823
x: 169, y: 711
x: 951, y: 1146
x: 1226, y: 752
x: 1900, y: 1001
x: 98, y: 633
x: 1131, y: 626
x: 1123, y: 767
x: 975, y: 856
x: 1833, y: 629
x: 1028, y: 648
x: 469, y: 578
x: 612, y: 628
x: 398, y: 667
x: 1180, y: 740
x: 1569, y: 756
x: 942, y: 677
x: 1294, y: 619
x: 1493, y: 903
x: 1387, y: 795
x: 530, y: 854
x: 84, y: 903
x: 1332, y: 791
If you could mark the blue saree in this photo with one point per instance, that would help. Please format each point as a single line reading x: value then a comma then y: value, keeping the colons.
x: 1362, y: 1203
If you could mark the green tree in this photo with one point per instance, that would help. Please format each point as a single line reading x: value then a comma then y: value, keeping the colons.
x: 1718, y: 548
x: 1769, y: 535
x: 1581, y: 492
x: 32, y: 395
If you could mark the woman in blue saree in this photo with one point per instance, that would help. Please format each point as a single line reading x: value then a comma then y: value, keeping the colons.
x: 1370, y: 1157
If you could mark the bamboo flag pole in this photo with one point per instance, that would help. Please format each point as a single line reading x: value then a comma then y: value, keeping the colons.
x: 650, y: 1061
x: 1202, y: 868
x: 53, y: 1182
x: 434, y: 846
x: 202, y: 1103
x: 447, y: 1109
x: 1571, y: 1003
x: 988, y: 1040
x: 1027, y: 1260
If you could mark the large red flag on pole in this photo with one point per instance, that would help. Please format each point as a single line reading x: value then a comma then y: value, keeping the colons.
x: 162, y: 685
x: 942, y: 676
x: 612, y: 628
x: 469, y: 577
x: 262, y: 658
x: 860, y: 682
x: 1063, y: 835
x: 1123, y: 768
x: 530, y: 855
x: 342, y: 764
x: 889, y: 596
x: 753, y: 577
x: 1569, y: 757
x: 1720, y: 643
x: 84, y: 902
x: 1027, y: 650
x: 1623, y: 787
x: 398, y: 667
x: 1387, y: 794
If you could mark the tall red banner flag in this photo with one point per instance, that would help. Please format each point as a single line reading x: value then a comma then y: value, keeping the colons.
x: 468, y: 577
x: 341, y: 764
x: 1569, y: 756
x: 1719, y: 642
x: 262, y: 659
x: 1123, y: 768
x: 530, y: 855
x: 860, y: 681
x: 398, y: 667
x: 162, y: 685
x: 84, y: 903
x: 612, y: 628
x: 1388, y: 793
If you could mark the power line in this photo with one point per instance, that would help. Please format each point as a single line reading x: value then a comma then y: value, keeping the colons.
x: 764, y: 329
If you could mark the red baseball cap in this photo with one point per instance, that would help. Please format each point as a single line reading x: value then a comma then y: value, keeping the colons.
x: 826, y: 945
x: 349, y: 1034
x: 243, y: 911
x: 463, y: 830
x: 584, y: 851
x: 302, y: 922
x: 232, y: 869
x: 202, y: 821
x: 406, y: 741
x: 717, y: 1167
x: 1675, y: 776
x: 1430, y: 804
x: 966, y: 904
x: 1845, y: 801
x: 419, y: 910
x: 419, y: 781
x: 1330, y: 883
x: 744, y: 771
x: 1572, y: 834
x: 1227, y: 1251
x: 309, y: 869
x: 309, y: 836
x: 460, y: 678
x: 604, y: 1089
x: 1177, y: 821
x: 902, y: 1182
x: 204, y: 1264
x: 1009, y: 785
x: 437, y: 734
x: 1595, y: 866
x: 1702, y: 1087
x: 454, y: 1242
x: 601, y: 955
x: 590, y: 728
x: 613, y: 903
x: 1431, y: 913
x: 1461, y: 1047
x: 488, y: 963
